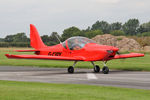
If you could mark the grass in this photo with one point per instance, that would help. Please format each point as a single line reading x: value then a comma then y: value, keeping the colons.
x: 136, y: 64
x: 11, y: 90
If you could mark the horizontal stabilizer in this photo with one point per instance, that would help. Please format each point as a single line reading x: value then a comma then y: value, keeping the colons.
x: 26, y: 50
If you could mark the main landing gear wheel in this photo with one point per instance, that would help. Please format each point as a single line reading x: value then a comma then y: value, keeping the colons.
x: 70, y: 69
x: 96, y: 68
x: 105, y: 70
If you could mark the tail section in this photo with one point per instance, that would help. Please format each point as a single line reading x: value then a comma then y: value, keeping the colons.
x: 35, y: 39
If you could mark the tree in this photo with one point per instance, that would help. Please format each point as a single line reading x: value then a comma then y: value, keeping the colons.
x: 19, y: 37
x: 88, y: 29
x: 103, y: 25
x: 93, y: 33
x: 69, y: 32
x: 45, y: 38
x: 117, y: 33
x: 145, y: 27
x: 54, y: 36
x: 8, y: 38
x: 145, y: 34
x: 131, y: 26
x: 1, y: 39
x: 52, y: 39
x: 116, y: 26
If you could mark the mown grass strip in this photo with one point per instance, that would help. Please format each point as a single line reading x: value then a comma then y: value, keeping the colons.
x: 135, y: 64
x: 11, y: 90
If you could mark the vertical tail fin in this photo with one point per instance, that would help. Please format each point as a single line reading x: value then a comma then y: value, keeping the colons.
x: 35, y: 39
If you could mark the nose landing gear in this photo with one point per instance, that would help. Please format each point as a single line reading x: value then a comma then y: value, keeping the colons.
x: 105, y: 69
x: 96, y: 67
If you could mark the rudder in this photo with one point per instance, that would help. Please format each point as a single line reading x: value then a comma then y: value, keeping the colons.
x: 35, y: 39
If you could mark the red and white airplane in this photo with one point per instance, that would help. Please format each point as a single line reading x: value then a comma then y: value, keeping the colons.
x: 73, y: 49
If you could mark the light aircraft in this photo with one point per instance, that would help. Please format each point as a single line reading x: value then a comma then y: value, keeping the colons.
x: 73, y: 49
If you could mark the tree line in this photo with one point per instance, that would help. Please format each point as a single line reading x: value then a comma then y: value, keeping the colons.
x: 21, y: 40
x: 130, y: 28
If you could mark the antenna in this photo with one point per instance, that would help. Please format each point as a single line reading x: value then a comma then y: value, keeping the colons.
x: 57, y: 38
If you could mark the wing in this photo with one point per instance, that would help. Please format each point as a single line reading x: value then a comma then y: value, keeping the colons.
x: 131, y: 55
x: 77, y: 58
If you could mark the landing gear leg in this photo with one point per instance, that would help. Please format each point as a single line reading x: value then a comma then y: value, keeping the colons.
x: 71, y: 68
x: 105, y: 69
x: 96, y: 67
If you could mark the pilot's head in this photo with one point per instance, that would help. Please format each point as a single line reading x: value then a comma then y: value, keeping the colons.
x: 76, y: 47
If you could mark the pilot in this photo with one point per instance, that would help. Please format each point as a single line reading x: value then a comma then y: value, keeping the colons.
x: 76, y: 41
x: 76, y: 47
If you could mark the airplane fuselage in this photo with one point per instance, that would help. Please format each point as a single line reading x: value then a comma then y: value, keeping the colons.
x: 91, y: 51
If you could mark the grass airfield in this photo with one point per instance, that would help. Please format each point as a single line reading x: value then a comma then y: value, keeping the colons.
x: 132, y: 64
x: 10, y: 90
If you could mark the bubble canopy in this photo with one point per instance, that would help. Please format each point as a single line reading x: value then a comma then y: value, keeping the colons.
x: 76, y: 43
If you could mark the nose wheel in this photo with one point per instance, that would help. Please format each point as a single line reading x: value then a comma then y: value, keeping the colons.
x: 96, y: 68
x: 105, y: 70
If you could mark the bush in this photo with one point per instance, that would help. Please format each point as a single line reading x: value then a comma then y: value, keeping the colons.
x: 117, y: 33
x: 145, y: 34
x: 14, y: 44
x: 143, y: 41
x: 119, y: 38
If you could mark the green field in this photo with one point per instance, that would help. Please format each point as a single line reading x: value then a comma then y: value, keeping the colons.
x: 10, y: 90
x: 138, y: 64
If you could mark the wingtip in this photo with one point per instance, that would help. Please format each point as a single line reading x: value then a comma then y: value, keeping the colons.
x: 140, y: 54
x: 7, y: 55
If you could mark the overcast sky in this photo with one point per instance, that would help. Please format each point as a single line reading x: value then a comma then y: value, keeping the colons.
x: 56, y: 15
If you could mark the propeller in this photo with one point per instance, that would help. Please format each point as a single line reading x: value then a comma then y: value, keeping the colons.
x: 122, y: 59
x: 118, y: 53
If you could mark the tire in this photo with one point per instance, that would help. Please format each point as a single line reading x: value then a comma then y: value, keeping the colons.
x: 96, y: 69
x: 70, y: 69
x: 105, y: 70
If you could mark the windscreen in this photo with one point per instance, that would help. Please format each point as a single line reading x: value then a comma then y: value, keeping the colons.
x: 77, y: 43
